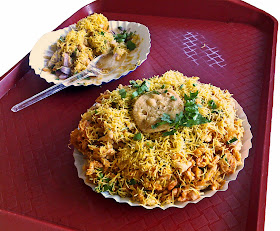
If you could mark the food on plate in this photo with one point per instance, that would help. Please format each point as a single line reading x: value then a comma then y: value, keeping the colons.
x: 149, y: 107
x: 161, y: 140
x: 90, y: 38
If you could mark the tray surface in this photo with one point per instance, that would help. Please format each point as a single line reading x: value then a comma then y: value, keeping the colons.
x: 37, y: 170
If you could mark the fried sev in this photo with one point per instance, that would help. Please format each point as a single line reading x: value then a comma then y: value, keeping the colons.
x: 154, y: 169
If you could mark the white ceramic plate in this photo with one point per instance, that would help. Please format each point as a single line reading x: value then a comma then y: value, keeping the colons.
x: 246, y: 141
x: 41, y: 52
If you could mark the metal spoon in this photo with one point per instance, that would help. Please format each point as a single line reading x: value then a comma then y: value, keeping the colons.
x: 101, y: 65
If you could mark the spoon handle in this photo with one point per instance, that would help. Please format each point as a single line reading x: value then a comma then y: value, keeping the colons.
x: 51, y: 90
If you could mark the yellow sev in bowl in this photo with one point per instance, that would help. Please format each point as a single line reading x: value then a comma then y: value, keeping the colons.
x: 89, y: 38
x: 199, y: 148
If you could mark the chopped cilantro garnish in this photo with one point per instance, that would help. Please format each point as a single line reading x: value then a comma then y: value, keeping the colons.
x: 224, y: 157
x: 100, y: 175
x: 212, y: 104
x: 163, y: 86
x: 192, y: 96
x: 134, y: 83
x: 158, y: 124
x: 134, y: 94
x: 181, y: 86
x: 130, y: 45
x: 122, y: 93
x: 155, y: 92
x: 194, y: 84
x: 132, y: 182
x: 103, y: 182
x: 144, y: 87
x: 125, y: 37
x: 62, y: 39
x: 232, y: 140
x: 173, y: 98
x: 165, y: 91
x: 188, y: 118
x: 169, y: 133
x: 137, y: 136
x: 165, y: 117
x: 150, y: 145
x: 107, y: 188
x: 102, y: 33
x: 120, y: 37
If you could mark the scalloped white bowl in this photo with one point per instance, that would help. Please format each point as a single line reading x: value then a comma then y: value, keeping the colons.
x: 246, y: 141
x: 39, y: 56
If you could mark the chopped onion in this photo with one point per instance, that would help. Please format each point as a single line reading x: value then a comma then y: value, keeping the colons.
x: 66, y: 60
x: 65, y: 70
x: 63, y: 76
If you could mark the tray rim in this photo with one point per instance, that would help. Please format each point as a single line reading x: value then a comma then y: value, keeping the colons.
x: 22, y: 68
x: 31, y: 221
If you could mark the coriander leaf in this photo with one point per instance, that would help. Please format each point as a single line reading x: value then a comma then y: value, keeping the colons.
x: 125, y: 37
x: 163, y: 86
x: 107, y: 188
x: 134, y: 94
x: 132, y: 182
x: 62, y: 39
x: 232, y: 140
x: 144, y: 87
x: 169, y: 133
x: 158, y: 124
x: 130, y: 45
x: 155, y: 92
x: 100, y: 175
x: 212, y: 104
x: 165, y: 117
x: 134, y: 83
x: 179, y: 117
x: 193, y: 95
x: 173, y: 98
x: 181, y: 86
x: 137, y: 136
x: 122, y: 93
x: 188, y: 118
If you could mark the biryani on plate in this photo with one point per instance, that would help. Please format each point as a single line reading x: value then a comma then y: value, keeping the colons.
x: 161, y: 141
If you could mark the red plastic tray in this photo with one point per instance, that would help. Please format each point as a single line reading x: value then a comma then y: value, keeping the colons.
x: 227, y: 43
